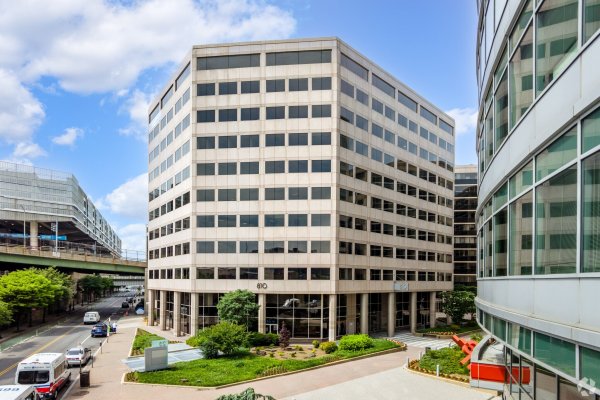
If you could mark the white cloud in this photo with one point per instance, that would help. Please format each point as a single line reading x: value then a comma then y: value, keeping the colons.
x: 20, y: 113
x: 133, y: 238
x: 130, y: 200
x: 68, y: 138
x: 465, y: 119
x: 136, y: 106
x: 26, y: 151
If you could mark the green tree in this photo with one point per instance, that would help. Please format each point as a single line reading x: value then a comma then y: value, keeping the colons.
x: 62, y: 285
x: 238, y: 307
x: 24, y: 290
x: 225, y: 337
x: 458, y: 303
x: 5, y: 314
x: 95, y: 285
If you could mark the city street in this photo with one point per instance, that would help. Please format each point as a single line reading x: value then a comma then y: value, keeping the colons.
x: 61, y: 337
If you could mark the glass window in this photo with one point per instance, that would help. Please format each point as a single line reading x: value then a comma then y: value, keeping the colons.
x: 274, y: 167
x: 591, y: 18
x: 275, y: 139
x: 298, y: 85
x: 227, y: 221
x: 250, y: 87
x: 299, y: 57
x: 205, y: 116
x: 205, y: 221
x: 321, y: 83
x: 320, y: 246
x: 296, y: 274
x: 383, y: 86
x: 362, y: 123
x: 276, y: 112
x: 298, y: 139
x: 205, y: 273
x: 500, y: 237
x: 275, y: 85
x: 362, y: 149
x: 556, y: 224
x: 590, y: 126
x: 205, y: 247
x: 362, y: 97
x: 249, y: 273
x: 320, y: 220
x: 557, y: 154
x: 589, y: 361
x: 249, y: 168
x: 205, y: 195
x: 227, y: 168
x: 249, y: 141
x: 250, y: 114
x: 347, y: 88
x: 274, y: 273
x: 297, y: 220
x: 224, y: 62
x: 346, y: 115
x: 501, y: 111
x: 248, y: 221
x: 321, y: 111
x: 274, y: 246
x: 248, y: 194
x: 321, y: 166
x: 521, y: 78
x: 319, y: 274
x: 226, y: 273
x: 354, y: 67
x: 228, y: 114
x: 205, y: 142
x: 297, y: 193
x: 227, y: 195
x: 206, y: 89
x: 205, y: 169
x: 275, y: 193
x: 521, y: 180
x: 407, y: 101
x: 227, y: 142
x: 555, y: 352
x: 298, y: 112
x: 591, y: 215
x: 521, y: 235
x: 274, y: 220
x: 321, y: 138
x: 556, y: 39
x: 297, y: 166
x: 227, y: 87
x: 297, y: 246
x: 321, y: 193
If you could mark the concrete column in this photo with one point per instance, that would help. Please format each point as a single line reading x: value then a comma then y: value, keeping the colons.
x: 262, y: 313
x: 432, y: 309
x: 413, y: 312
x: 351, y: 313
x: 391, y: 309
x: 193, y: 313
x: 151, y: 306
x: 364, y: 313
x: 33, y: 235
x: 162, y: 313
x: 177, y: 313
x: 332, y: 317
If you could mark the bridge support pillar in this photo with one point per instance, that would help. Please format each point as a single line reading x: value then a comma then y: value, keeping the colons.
x: 413, y: 312
x: 162, y: 312
x: 193, y: 313
x: 151, y: 306
x: 177, y: 313
x: 33, y: 237
x: 432, y: 309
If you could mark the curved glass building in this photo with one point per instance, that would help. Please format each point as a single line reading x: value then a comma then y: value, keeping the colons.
x: 538, y: 140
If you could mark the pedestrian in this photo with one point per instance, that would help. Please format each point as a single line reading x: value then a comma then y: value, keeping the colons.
x: 114, y: 327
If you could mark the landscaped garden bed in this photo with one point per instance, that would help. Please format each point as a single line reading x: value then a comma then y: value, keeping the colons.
x: 448, y: 358
x: 447, y: 331
x: 143, y: 339
x: 260, y: 362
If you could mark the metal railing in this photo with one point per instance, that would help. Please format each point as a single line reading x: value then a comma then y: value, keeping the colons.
x: 46, y: 247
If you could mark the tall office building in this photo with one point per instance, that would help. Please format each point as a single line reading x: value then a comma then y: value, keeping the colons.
x: 538, y: 215
x: 36, y: 202
x: 305, y: 173
x: 465, y: 231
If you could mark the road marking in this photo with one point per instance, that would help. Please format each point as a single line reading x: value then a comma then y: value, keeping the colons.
x: 39, y: 349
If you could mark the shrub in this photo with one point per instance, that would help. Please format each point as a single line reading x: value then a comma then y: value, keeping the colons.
x: 224, y: 337
x: 356, y: 342
x: 316, y: 344
x: 329, y: 347
x: 256, y: 339
x: 284, y: 336
x: 247, y: 394
x: 476, y: 337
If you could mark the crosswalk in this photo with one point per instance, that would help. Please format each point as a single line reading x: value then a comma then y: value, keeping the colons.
x: 422, y: 342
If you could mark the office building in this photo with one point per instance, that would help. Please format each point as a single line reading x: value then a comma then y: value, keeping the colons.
x: 538, y: 215
x: 465, y: 231
x: 301, y: 171
x: 45, y: 209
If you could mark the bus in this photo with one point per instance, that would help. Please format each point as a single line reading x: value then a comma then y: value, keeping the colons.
x: 47, y: 372
x: 18, y: 392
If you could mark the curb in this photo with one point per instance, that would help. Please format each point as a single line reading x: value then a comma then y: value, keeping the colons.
x: 381, y: 353
x: 433, y: 375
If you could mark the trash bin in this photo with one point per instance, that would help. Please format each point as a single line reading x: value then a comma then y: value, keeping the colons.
x: 84, y: 379
x: 427, y: 349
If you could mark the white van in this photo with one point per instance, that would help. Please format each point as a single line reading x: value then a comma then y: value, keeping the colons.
x: 47, y: 372
x: 91, y: 317
x: 18, y: 392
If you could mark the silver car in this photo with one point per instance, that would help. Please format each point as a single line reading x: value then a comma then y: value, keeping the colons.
x: 78, y: 356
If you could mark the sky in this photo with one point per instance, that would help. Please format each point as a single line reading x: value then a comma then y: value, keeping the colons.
x: 76, y: 77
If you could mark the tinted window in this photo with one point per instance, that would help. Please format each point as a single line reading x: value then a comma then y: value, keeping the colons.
x: 298, y: 112
x: 227, y: 168
x: 321, y: 193
x: 227, y: 142
x: 299, y: 57
x: 274, y: 167
x: 228, y: 114
x: 298, y: 166
x: 321, y: 83
x: 205, y: 116
x: 321, y: 111
x: 276, y: 112
x: 248, y: 194
x: 205, y: 142
x: 297, y: 85
x: 249, y: 141
x: 227, y: 87
x: 275, y: 85
x: 249, y: 168
x: 275, y: 139
x: 321, y: 165
x: 298, y: 139
x: 205, y: 169
x: 250, y: 87
x: 205, y: 89
x: 274, y: 193
x: 321, y: 138
x: 224, y: 62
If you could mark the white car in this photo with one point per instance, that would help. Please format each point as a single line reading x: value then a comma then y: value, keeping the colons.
x: 91, y: 317
x: 78, y: 356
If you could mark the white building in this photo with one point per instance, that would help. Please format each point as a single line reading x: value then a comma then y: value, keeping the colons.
x: 303, y: 172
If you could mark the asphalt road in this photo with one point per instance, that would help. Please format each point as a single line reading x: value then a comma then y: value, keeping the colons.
x: 61, y: 338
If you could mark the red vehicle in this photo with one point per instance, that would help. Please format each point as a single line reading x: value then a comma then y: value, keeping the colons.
x: 47, y: 372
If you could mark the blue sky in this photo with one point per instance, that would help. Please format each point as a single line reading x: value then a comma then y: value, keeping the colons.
x: 77, y: 78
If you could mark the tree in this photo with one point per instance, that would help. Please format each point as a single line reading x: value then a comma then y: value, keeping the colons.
x: 458, y: 303
x: 62, y: 284
x: 24, y: 290
x: 225, y: 337
x: 284, y: 336
x: 238, y: 307
x: 5, y: 314
x: 95, y: 285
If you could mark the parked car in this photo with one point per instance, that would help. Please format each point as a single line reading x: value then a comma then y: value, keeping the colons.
x: 78, y: 356
x: 124, y: 304
x: 91, y: 317
x: 100, y: 330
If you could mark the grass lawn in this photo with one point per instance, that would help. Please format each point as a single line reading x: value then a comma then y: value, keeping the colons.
x: 466, y: 328
x: 242, y: 367
x: 448, y: 358
x: 143, y: 340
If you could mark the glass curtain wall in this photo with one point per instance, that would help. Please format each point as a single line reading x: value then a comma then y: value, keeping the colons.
x: 305, y: 315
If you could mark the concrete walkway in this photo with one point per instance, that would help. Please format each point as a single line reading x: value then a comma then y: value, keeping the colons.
x: 381, y: 377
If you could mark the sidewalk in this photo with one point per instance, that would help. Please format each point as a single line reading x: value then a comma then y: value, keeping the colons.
x: 368, y: 375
